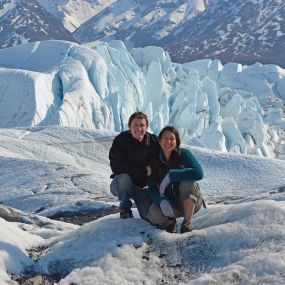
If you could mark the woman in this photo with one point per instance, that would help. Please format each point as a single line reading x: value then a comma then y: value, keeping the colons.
x: 172, y: 184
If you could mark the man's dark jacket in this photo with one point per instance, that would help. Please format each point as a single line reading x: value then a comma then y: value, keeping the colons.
x: 128, y: 155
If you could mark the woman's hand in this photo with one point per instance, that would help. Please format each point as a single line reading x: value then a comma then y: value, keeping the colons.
x: 166, y: 209
x: 166, y: 180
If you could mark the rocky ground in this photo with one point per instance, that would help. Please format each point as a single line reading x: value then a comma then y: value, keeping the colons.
x: 83, y: 219
x: 34, y: 279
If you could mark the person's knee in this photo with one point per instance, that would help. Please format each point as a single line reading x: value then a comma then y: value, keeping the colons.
x: 155, y: 215
x: 156, y: 218
x: 189, y: 190
x: 124, y: 181
x: 121, y: 183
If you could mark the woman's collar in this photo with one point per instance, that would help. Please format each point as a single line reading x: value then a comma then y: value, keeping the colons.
x: 162, y: 157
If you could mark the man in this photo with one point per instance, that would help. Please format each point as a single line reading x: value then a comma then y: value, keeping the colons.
x: 131, y: 156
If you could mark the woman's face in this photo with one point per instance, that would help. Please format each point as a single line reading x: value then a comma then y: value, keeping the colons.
x: 167, y: 142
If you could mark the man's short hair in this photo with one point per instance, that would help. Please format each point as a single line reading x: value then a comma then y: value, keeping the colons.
x: 138, y: 115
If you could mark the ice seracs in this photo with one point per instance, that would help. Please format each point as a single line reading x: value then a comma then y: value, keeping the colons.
x: 228, y: 108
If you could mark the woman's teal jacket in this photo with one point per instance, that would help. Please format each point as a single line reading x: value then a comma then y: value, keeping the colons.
x: 190, y: 169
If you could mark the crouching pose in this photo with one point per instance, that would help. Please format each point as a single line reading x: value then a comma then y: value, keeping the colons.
x: 131, y: 156
x: 172, y: 184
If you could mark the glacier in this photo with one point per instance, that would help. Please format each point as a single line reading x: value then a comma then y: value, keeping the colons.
x: 229, y: 107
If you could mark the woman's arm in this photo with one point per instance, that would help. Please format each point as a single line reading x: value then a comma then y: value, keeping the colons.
x: 192, y: 169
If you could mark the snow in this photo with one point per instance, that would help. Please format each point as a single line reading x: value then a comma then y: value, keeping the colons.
x: 74, y: 13
x: 239, y: 238
x: 7, y: 7
x: 175, y: 18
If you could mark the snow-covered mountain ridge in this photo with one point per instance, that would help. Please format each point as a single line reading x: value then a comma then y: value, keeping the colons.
x: 25, y: 21
x: 244, y: 31
x: 73, y: 13
x: 232, y: 31
x: 229, y: 108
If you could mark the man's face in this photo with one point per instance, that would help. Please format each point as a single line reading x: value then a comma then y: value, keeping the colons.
x: 138, y: 128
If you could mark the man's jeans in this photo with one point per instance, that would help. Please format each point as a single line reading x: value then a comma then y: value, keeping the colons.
x: 123, y: 187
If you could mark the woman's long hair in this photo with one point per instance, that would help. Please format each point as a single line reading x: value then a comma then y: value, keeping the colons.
x: 174, y: 160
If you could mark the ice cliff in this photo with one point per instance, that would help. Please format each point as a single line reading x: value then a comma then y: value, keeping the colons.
x: 229, y: 108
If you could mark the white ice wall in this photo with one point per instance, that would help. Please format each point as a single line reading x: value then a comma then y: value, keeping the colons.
x: 229, y: 108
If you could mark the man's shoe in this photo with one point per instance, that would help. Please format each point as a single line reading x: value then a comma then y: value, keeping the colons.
x: 186, y: 227
x: 171, y: 227
x: 126, y: 215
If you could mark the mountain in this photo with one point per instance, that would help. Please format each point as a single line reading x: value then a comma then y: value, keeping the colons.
x: 73, y: 13
x: 228, y: 107
x: 24, y: 21
x: 243, y: 31
x: 233, y: 31
x: 139, y: 23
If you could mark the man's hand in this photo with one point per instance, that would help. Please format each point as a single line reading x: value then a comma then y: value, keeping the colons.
x: 166, y: 209
x: 166, y: 180
x: 148, y: 169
